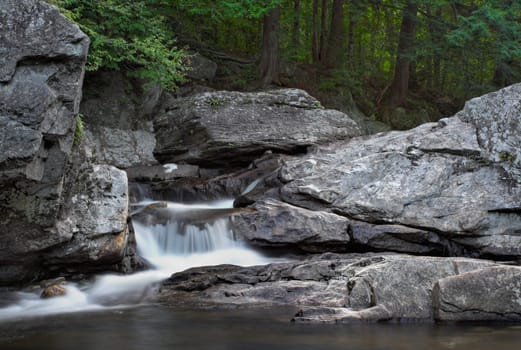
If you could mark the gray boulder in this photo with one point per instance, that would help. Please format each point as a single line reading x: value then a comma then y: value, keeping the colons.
x: 60, y: 212
x: 278, y: 224
x: 497, y: 118
x: 224, y: 129
x: 118, y: 112
x: 491, y: 294
x: 42, y: 59
x: 435, y: 179
x: 356, y: 288
x: 96, y: 218
x: 122, y: 148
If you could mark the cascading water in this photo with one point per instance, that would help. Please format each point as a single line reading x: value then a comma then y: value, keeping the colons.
x: 172, y: 237
x: 179, y: 243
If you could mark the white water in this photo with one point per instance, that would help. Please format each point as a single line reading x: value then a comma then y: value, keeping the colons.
x: 170, y: 247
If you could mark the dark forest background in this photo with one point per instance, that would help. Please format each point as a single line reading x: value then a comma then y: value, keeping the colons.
x: 415, y: 56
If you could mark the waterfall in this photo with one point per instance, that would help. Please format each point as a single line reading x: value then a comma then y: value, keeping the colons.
x: 172, y: 237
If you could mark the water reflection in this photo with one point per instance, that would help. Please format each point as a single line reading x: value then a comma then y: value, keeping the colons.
x: 157, y: 327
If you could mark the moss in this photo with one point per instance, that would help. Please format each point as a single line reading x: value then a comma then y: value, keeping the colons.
x: 507, y: 157
x: 79, y: 131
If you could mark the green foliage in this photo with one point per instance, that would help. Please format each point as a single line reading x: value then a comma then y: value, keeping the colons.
x: 79, y: 131
x: 130, y: 35
x: 507, y: 157
x: 340, y: 79
x: 214, y: 102
x: 221, y: 9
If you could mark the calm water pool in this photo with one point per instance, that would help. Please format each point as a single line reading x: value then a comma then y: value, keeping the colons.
x: 158, y: 327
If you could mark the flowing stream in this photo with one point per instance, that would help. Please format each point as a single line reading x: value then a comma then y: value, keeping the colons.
x: 172, y: 237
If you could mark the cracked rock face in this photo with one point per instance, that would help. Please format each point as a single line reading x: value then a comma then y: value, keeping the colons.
x: 51, y: 216
x: 335, y: 288
x: 435, y: 179
x: 226, y: 128
x: 491, y: 294
x: 277, y: 224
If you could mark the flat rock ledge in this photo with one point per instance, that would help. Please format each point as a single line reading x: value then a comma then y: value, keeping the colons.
x: 359, y: 288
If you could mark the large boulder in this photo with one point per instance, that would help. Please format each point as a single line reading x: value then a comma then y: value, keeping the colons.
x: 272, y: 223
x: 439, y: 180
x: 223, y: 128
x: 491, y: 294
x: 95, y: 215
x: 357, y: 288
x: 44, y: 178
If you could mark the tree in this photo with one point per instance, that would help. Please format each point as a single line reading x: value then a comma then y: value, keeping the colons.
x: 130, y: 35
x: 335, y: 45
x: 402, y: 71
x: 269, y: 60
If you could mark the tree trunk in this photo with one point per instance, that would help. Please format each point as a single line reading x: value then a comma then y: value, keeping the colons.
x: 351, y: 38
x: 336, y: 35
x: 314, y: 48
x: 436, y: 34
x: 295, y: 35
x: 400, y: 85
x: 269, y: 61
x: 323, y: 31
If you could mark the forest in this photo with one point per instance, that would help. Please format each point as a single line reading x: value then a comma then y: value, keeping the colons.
x: 421, y: 56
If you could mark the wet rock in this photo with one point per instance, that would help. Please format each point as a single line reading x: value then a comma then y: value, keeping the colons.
x: 274, y: 223
x: 225, y: 128
x: 50, y: 282
x: 260, y: 176
x: 56, y: 290
x: 491, y: 294
x: 347, y: 288
x: 159, y: 173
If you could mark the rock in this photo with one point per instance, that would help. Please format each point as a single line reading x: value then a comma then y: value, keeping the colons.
x: 33, y: 29
x: 53, y: 281
x: 273, y: 223
x: 260, y: 175
x: 53, y: 291
x: 226, y: 129
x: 114, y: 101
x: 42, y: 59
x: 491, y: 294
x: 496, y: 117
x: 165, y: 172
x: 118, y: 113
x: 435, y: 179
x: 122, y: 148
x: 403, y: 239
x: 96, y: 217
x: 347, y: 288
x: 201, y: 68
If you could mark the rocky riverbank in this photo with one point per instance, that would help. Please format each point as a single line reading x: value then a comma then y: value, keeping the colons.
x: 415, y: 225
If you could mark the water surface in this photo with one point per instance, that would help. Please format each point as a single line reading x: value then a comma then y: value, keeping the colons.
x: 158, y: 327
